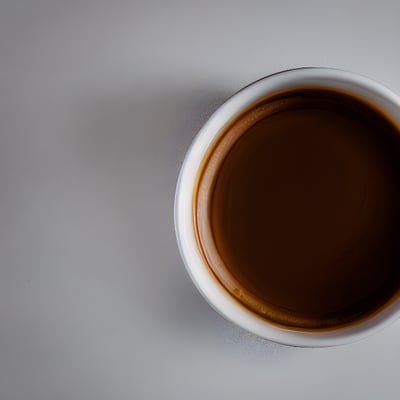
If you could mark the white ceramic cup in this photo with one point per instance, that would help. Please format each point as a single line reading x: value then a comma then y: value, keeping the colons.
x: 213, y: 292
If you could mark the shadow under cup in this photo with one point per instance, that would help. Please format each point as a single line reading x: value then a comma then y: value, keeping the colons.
x: 296, y: 209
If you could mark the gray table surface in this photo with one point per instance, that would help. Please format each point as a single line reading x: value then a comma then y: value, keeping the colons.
x: 99, y: 101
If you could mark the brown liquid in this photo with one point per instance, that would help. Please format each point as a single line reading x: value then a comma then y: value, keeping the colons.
x: 297, y: 209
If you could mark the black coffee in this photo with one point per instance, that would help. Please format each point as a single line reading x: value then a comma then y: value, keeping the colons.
x: 298, y: 209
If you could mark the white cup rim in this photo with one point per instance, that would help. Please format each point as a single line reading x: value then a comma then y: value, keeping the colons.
x: 200, y: 274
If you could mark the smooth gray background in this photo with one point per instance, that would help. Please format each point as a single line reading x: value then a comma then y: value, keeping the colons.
x: 99, y: 101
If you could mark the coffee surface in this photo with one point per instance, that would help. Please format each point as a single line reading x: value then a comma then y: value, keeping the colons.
x: 298, y: 211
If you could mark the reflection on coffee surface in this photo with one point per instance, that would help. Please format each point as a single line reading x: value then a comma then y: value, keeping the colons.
x: 297, y: 209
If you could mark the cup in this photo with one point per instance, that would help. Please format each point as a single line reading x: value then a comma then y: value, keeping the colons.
x: 215, y: 294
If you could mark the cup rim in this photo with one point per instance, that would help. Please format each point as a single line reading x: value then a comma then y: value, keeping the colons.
x: 213, y: 292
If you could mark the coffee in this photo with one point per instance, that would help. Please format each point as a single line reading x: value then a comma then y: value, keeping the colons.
x: 297, y: 209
